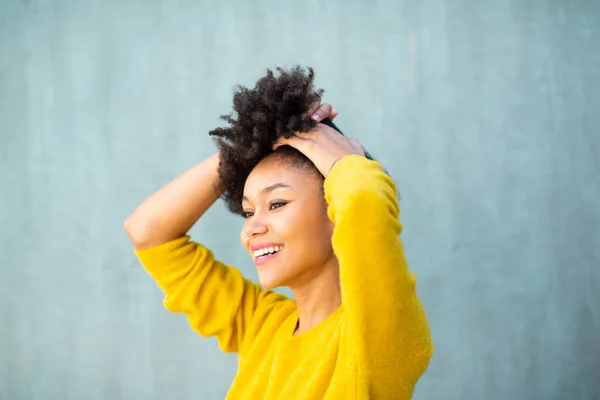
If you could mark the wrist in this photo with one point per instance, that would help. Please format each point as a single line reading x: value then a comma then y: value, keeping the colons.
x: 334, y: 164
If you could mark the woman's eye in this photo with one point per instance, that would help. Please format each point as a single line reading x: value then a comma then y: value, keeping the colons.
x: 277, y: 204
x: 248, y: 214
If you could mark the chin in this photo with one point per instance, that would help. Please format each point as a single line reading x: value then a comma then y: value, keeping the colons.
x: 270, y: 282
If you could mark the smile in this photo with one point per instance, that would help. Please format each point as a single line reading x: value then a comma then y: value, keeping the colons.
x: 265, y: 254
x: 265, y: 251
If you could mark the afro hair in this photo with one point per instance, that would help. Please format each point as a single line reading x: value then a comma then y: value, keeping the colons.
x: 276, y: 107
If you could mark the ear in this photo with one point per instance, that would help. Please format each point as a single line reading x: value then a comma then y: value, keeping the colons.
x: 329, y: 225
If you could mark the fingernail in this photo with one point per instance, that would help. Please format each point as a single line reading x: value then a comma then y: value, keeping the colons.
x: 315, y: 117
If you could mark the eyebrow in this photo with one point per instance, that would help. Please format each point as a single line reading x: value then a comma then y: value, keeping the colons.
x: 270, y: 188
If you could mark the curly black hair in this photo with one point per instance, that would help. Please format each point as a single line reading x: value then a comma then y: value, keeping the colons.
x: 276, y: 107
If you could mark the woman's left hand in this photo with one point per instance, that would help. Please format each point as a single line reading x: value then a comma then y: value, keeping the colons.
x: 323, y: 145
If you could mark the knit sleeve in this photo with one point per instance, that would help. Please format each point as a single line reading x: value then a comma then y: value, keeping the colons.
x: 386, y: 324
x: 217, y: 300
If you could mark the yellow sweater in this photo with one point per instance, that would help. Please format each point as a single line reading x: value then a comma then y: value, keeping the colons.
x: 376, y: 345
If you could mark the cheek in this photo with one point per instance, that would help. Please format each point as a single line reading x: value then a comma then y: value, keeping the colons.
x: 313, y: 230
x: 286, y: 227
x: 244, y: 238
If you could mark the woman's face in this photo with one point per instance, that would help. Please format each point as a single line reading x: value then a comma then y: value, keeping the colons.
x: 286, y: 231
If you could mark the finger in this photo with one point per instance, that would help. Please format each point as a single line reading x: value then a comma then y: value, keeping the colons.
x: 294, y: 140
x: 322, y: 113
x: 300, y: 143
x: 334, y: 113
x: 313, y: 109
x: 310, y: 135
x: 280, y: 142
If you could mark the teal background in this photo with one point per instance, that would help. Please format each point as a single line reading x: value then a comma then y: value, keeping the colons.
x: 485, y: 112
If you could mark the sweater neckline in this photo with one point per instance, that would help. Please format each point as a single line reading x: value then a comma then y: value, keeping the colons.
x: 293, y: 321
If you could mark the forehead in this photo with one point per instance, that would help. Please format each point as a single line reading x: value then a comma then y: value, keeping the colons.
x: 273, y: 170
x: 270, y: 170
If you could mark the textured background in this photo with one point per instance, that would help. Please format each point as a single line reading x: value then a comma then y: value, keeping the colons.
x: 486, y: 114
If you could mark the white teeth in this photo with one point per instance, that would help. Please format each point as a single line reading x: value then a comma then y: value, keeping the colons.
x: 267, y: 250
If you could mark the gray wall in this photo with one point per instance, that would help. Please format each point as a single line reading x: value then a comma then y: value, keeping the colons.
x: 486, y: 114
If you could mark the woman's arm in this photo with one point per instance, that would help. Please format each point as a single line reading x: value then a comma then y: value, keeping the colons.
x: 387, y: 322
x: 217, y: 300
x: 171, y: 211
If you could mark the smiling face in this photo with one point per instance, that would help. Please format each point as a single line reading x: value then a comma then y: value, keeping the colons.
x: 286, y: 231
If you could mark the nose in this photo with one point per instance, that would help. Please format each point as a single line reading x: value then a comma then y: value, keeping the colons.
x: 255, y: 226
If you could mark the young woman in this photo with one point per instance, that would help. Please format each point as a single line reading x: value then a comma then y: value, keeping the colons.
x: 321, y: 219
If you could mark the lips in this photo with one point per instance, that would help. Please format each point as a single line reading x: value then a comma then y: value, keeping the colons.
x: 263, y: 245
x: 267, y: 250
x: 264, y: 252
x: 264, y: 259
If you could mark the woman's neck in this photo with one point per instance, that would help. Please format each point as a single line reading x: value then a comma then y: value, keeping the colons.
x: 318, y: 298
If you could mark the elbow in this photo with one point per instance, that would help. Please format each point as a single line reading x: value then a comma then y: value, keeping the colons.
x: 137, y: 232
